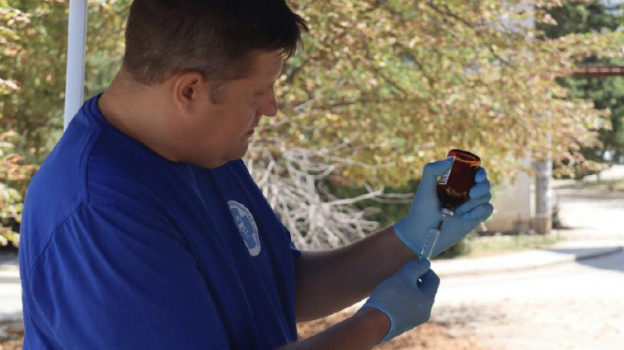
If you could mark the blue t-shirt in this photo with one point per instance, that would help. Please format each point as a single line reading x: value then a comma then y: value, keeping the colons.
x: 123, y: 249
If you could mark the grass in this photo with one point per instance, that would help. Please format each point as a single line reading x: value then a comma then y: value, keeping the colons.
x: 604, y: 185
x: 501, y: 244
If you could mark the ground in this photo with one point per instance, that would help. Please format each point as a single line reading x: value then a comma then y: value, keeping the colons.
x: 563, y: 307
x: 431, y: 335
x: 569, y: 306
x: 11, y: 334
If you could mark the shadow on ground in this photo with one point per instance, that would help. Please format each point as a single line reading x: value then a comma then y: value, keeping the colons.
x: 600, y: 258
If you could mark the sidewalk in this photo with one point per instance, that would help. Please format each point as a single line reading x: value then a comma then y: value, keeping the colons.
x: 563, y: 252
x: 9, y: 269
x: 10, y: 288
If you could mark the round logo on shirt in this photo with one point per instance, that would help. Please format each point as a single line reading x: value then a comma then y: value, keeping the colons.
x: 246, y: 227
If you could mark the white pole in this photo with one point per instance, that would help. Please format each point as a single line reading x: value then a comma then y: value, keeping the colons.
x: 76, y: 45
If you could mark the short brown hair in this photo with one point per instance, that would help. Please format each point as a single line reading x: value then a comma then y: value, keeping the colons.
x: 214, y: 37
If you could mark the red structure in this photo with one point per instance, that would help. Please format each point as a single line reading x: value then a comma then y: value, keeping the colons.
x: 598, y: 71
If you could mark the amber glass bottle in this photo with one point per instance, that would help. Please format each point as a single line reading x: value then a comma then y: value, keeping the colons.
x: 455, y: 185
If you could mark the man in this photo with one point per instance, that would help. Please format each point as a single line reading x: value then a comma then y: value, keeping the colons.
x: 144, y: 230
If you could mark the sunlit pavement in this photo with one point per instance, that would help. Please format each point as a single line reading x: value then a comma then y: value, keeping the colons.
x: 575, y: 305
x: 573, y: 301
x: 10, y: 288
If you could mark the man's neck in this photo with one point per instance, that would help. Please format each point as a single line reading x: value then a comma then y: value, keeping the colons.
x: 138, y: 112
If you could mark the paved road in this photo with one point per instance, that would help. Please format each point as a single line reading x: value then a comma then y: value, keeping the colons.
x: 10, y: 307
x: 10, y: 289
x: 578, y: 305
x: 591, y: 214
x: 571, y: 306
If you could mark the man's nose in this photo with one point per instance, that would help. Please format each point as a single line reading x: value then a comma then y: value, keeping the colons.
x: 269, y: 107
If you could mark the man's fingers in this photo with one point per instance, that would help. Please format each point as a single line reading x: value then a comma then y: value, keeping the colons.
x: 481, y: 175
x: 423, y: 266
x: 440, y: 167
x: 435, y: 169
x: 429, y: 283
x: 480, y: 213
x: 480, y: 189
x: 414, y: 269
x: 473, y: 203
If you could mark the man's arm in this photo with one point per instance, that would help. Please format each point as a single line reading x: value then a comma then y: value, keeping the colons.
x: 396, y: 305
x: 329, y: 281
x: 363, y: 330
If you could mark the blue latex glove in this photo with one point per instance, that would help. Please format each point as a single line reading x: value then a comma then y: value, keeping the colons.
x: 424, y: 214
x: 407, y: 297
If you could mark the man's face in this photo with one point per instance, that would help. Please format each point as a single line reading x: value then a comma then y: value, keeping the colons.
x: 221, y: 131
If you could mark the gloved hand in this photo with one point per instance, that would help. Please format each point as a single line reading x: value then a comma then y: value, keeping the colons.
x: 424, y: 214
x: 406, y: 300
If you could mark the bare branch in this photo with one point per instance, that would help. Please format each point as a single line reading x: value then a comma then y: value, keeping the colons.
x: 315, y: 218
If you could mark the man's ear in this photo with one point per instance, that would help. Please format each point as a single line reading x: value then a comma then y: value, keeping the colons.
x: 188, y: 88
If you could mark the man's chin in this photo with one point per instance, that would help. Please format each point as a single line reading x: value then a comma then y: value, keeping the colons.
x: 240, y: 153
x: 225, y: 158
x: 244, y: 151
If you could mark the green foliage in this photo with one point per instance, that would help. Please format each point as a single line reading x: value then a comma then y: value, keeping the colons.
x: 462, y: 248
x: 397, y: 84
x: 501, y: 244
x: 607, y: 93
x: 33, y: 35
x: 39, y: 67
x: 592, y: 16
x: 393, y: 84
x: 12, y: 172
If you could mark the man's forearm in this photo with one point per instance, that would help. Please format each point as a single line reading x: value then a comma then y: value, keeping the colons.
x: 363, y: 330
x: 330, y: 281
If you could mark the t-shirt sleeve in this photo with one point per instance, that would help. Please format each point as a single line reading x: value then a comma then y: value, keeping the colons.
x: 296, y: 253
x: 122, y: 279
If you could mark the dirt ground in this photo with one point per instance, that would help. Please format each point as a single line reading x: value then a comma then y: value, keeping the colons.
x: 11, y: 334
x: 439, y: 336
x: 431, y: 335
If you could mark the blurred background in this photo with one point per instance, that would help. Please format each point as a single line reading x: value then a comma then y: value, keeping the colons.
x: 380, y: 88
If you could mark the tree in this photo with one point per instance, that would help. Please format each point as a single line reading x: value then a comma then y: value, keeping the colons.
x: 36, y: 109
x: 607, y: 93
x: 32, y: 84
x: 12, y: 171
x: 381, y: 88
x: 396, y: 84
